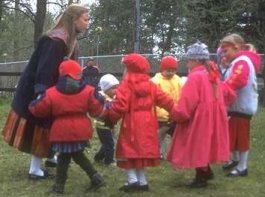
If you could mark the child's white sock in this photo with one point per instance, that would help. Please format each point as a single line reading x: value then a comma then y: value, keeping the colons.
x: 132, y: 176
x: 141, y: 177
x: 242, y: 165
x: 235, y: 156
x: 35, y: 166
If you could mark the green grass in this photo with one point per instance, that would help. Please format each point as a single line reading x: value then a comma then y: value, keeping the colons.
x: 164, y: 180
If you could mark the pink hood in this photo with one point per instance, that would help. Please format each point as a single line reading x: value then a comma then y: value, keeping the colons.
x: 254, y: 57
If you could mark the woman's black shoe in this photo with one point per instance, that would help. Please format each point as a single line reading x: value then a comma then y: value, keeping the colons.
x: 35, y: 177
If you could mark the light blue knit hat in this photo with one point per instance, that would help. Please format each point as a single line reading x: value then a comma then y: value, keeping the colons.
x: 197, y: 51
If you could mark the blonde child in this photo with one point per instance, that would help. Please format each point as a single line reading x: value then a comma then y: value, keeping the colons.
x: 245, y: 63
x: 171, y: 84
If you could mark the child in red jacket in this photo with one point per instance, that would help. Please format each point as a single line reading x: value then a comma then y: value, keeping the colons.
x: 135, y: 102
x: 68, y: 103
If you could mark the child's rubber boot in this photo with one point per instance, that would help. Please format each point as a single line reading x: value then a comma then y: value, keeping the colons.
x: 97, y: 182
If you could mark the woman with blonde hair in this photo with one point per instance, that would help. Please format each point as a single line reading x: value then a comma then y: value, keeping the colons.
x: 23, y: 131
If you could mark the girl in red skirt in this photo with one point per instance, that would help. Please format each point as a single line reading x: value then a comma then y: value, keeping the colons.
x: 244, y: 64
x: 22, y: 130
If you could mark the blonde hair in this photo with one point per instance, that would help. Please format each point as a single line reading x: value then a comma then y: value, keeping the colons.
x: 234, y: 39
x: 238, y: 42
x: 66, y: 21
x: 250, y: 47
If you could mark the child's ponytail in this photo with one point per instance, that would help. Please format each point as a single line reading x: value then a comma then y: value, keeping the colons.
x: 213, y: 75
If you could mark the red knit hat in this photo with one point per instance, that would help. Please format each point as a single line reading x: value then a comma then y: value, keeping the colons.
x: 71, y: 68
x: 135, y: 62
x: 168, y: 62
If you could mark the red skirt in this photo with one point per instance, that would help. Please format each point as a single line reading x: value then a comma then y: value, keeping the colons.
x: 138, y: 163
x: 25, y: 136
x: 239, y: 130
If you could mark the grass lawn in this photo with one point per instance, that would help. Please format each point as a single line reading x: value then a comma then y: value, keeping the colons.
x: 164, y: 181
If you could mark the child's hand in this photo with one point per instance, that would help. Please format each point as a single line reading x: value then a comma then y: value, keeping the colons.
x: 99, y: 97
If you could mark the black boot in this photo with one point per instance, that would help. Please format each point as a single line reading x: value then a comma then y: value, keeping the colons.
x: 209, y: 174
x: 61, y: 173
x: 58, y: 186
x: 99, y: 157
x: 97, y: 181
x: 197, y: 183
x: 200, y: 180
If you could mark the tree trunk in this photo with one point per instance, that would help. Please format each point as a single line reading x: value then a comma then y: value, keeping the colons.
x: 15, y: 30
x: 39, y: 19
x: 1, y: 11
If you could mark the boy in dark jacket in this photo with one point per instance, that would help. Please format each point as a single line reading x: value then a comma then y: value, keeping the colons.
x: 91, y: 73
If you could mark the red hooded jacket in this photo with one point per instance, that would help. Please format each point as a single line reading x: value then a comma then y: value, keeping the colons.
x: 71, y: 122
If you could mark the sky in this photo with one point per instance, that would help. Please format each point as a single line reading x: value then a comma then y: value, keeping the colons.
x: 56, y: 9
x: 87, y: 1
x: 53, y: 8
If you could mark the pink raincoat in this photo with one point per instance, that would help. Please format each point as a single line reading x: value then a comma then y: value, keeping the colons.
x: 201, y: 136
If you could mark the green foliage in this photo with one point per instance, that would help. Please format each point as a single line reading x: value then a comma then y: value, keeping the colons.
x: 208, y: 21
x: 211, y: 20
x: 16, y: 29
x: 116, y: 20
x: 254, y: 20
x: 163, y: 180
x: 167, y: 26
